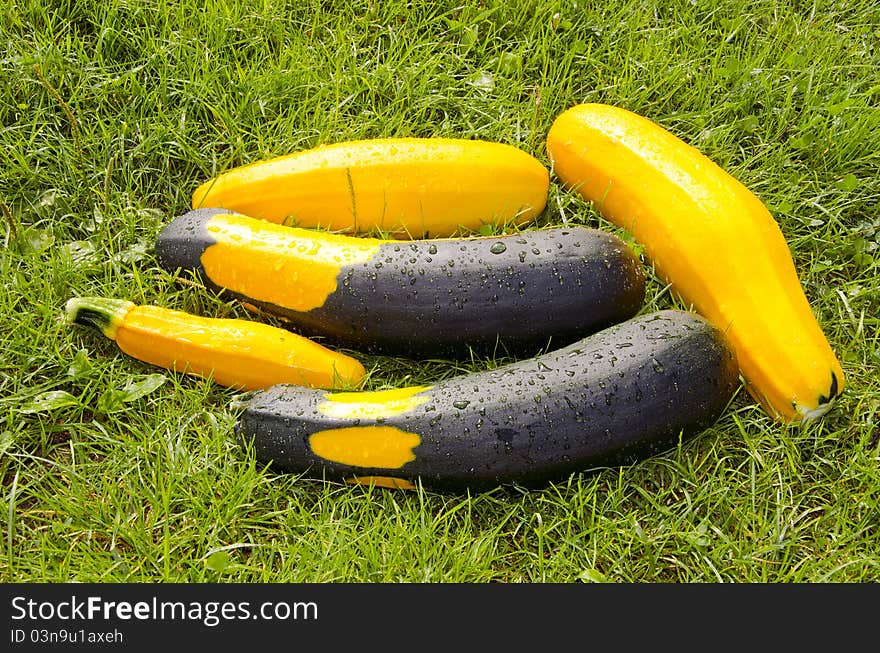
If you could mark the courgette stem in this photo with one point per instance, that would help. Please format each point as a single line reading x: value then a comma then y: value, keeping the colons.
x: 103, y: 314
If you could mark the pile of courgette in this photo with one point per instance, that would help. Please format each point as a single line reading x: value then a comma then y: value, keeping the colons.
x: 289, y: 237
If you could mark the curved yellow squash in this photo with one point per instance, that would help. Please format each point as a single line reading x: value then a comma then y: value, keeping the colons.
x: 235, y: 353
x: 406, y: 187
x: 712, y: 240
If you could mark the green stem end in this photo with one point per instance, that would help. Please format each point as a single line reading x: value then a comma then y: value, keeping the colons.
x: 100, y: 313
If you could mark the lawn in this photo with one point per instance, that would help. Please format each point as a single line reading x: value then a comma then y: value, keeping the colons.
x: 112, y: 112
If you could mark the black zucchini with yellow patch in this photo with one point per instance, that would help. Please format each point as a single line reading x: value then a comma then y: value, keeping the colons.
x: 626, y: 392
x: 415, y: 298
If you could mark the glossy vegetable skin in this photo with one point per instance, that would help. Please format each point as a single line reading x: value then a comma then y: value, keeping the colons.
x: 439, y: 297
x: 627, y: 392
x: 713, y: 240
x: 236, y: 353
x: 405, y: 187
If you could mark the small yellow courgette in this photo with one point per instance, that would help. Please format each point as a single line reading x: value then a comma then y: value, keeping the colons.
x: 405, y: 187
x: 713, y: 240
x: 235, y: 353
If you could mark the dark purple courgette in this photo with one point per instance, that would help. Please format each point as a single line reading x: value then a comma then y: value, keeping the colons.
x: 626, y: 392
x: 414, y: 298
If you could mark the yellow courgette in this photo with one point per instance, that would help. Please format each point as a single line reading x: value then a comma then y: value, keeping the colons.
x: 236, y: 353
x: 405, y: 187
x: 713, y: 240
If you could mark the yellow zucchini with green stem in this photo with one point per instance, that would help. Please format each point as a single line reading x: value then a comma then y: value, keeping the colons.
x: 404, y: 187
x: 713, y: 240
x: 236, y: 353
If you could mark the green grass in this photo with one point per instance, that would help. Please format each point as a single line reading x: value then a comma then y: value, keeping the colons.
x: 112, y: 112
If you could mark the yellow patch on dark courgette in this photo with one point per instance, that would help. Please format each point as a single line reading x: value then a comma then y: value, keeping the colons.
x: 373, y: 404
x: 382, y: 481
x: 286, y: 266
x: 366, y: 446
